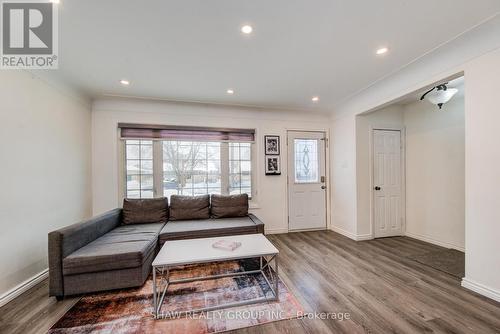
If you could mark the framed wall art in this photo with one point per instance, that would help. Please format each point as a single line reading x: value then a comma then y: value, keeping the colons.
x: 273, y: 165
x: 272, y: 145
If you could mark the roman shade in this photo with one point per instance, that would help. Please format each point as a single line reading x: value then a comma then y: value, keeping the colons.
x: 145, y: 131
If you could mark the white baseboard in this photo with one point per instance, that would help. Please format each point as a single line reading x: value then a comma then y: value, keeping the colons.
x: 481, y: 289
x: 361, y: 237
x: 435, y: 242
x: 350, y: 235
x: 343, y: 232
x: 23, y: 287
x: 276, y: 230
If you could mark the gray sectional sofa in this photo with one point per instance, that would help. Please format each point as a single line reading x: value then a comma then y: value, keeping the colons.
x: 115, y: 250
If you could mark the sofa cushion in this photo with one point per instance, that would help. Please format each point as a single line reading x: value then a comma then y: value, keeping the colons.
x: 206, y: 228
x: 229, y: 206
x: 189, y: 207
x: 140, y: 211
x: 126, y: 246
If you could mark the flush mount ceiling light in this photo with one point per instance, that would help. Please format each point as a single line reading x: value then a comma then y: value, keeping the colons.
x: 124, y: 82
x: 315, y: 98
x: 230, y: 91
x: 439, y: 95
x: 246, y: 29
x: 382, y: 51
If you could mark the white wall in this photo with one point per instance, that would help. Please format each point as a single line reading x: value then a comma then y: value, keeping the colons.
x: 388, y: 117
x: 271, y: 199
x: 45, y: 174
x: 477, y: 55
x: 482, y: 175
x: 343, y: 171
x: 435, y: 172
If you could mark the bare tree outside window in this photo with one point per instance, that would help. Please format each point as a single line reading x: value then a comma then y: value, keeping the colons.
x: 191, y: 168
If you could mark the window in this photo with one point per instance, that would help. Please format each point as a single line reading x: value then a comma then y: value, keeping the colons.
x: 240, y: 169
x: 139, y: 167
x: 187, y: 168
x: 191, y: 168
x: 306, y: 160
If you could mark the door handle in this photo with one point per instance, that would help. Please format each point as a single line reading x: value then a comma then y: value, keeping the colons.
x: 323, y: 187
x: 377, y: 188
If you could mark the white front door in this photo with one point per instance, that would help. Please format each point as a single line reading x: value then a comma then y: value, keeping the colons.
x: 306, y: 180
x: 387, y: 199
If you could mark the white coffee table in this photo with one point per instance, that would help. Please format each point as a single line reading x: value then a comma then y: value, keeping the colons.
x: 195, y: 251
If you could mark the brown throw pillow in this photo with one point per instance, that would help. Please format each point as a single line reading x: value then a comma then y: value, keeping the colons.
x: 141, y: 211
x: 229, y: 206
x: 189, y: 207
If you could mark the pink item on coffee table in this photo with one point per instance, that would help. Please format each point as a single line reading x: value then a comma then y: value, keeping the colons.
x: 226, y: 244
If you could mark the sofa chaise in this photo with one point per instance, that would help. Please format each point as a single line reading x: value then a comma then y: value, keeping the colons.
x: 115, y: 250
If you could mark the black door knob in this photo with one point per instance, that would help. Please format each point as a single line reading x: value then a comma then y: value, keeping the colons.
x: 377, y: 188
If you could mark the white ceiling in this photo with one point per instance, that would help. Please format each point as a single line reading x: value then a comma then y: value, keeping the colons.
x: 193, y: 50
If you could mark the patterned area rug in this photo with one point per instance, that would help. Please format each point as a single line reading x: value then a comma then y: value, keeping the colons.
x: 129, y: 310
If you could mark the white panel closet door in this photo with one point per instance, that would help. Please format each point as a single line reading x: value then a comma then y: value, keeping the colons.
x: 387, y: 183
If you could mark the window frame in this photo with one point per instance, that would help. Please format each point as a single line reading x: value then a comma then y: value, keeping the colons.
x: 158, y: 168
x: 140, y: 159
x: 160, y: 184
x: 240, y: 172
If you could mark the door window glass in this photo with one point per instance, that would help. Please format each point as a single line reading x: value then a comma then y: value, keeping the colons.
x: 306, y: 161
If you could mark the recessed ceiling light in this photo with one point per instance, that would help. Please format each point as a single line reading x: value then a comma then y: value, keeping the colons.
x: 230, y: 91
x: 315, y: 98
x: 125, y: 82
x: 246, y: 29
x: 381, y: 51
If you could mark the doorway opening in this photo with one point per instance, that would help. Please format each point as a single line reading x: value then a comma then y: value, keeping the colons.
x: 411, y: 172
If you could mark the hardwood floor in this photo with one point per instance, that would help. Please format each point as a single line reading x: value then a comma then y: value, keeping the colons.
x: 382, y: 290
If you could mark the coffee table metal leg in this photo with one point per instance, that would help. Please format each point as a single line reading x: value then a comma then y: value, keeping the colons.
x: 155, y: 305
x: 165, y: 280
x: 273, y: 279
x: 276, y: 278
